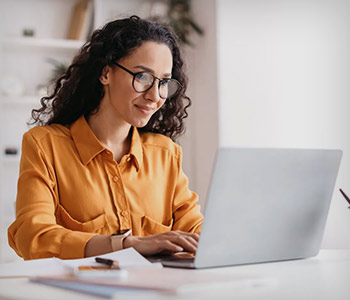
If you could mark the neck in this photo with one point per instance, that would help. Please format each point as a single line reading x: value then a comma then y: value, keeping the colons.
x: 111, y: 132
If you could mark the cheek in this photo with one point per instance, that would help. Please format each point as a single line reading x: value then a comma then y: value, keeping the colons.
x: 160, y: 103
x: 121, y: 87
x: 122, y: 94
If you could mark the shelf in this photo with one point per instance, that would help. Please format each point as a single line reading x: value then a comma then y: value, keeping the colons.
x: 43, y: 43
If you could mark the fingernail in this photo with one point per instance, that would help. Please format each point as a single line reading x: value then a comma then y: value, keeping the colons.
x: 179, y: 249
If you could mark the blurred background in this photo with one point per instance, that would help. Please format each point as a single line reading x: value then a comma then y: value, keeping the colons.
x: 263, y: 73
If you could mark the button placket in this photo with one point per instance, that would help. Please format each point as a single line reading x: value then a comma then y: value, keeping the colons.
x: 115, y: 186
x: 120, y: 201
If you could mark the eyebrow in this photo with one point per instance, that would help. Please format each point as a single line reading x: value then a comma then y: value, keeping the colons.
x: 151, y: 71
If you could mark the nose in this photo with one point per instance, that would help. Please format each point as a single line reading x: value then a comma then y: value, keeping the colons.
x: 153, y: 93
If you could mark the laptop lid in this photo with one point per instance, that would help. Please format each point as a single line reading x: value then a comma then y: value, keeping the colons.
x: 266, y: 205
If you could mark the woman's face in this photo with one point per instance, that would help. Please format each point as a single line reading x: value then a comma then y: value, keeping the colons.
x: 121, y: 99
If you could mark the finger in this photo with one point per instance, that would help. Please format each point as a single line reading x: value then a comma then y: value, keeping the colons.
x: 193, y: 235
x: 170, y: 246
x: 192, y: 241
x: 191, y: 238
x: 152, y: 246
x: 183, y: 242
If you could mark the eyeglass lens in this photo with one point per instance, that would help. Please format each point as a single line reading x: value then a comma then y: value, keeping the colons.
x: 144, y: 81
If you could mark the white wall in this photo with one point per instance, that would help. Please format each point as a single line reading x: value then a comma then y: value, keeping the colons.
x: 283, y: 80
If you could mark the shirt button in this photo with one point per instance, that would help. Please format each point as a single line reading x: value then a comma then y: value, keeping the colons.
x: 124, y: 213
x: 128, y: 159
x: 115, y: 178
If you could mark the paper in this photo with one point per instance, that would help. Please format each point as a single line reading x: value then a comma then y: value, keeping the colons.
x: 127, y: 258
x: 37, y: 267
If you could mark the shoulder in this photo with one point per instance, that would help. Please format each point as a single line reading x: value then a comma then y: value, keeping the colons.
x: 40, y: 133
x: 160, y: 142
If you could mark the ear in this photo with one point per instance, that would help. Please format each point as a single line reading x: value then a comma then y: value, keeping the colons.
x: 105, y: 76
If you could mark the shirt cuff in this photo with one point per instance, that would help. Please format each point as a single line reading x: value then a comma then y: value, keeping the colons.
x: 73, y: 244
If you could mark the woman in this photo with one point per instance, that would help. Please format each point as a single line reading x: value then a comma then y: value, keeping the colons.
x: 103, y: 174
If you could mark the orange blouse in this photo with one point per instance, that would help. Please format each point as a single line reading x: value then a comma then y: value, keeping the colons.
x: 70, y: 188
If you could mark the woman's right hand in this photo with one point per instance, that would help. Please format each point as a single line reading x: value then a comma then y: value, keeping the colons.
x: 172, y: 241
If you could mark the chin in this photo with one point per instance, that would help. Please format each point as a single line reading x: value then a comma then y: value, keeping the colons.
x: 140, y: 123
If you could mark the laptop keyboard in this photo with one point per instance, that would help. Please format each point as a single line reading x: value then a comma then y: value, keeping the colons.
x: 181, y: 257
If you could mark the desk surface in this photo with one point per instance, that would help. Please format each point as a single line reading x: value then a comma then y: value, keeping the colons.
x: 326, y: 276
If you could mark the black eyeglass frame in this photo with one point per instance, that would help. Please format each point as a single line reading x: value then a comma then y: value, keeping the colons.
x: 134, y: 74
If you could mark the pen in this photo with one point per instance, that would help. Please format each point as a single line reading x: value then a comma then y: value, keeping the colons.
x: 113, y: 264
x: 345, y: 196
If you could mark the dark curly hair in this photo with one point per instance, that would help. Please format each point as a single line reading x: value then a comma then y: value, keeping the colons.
x: 79, y: 91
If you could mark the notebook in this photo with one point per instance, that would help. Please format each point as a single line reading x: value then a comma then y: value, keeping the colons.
x: 264, y: 205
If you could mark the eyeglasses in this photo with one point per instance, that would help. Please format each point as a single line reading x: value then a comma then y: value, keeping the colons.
x: 143, y: 82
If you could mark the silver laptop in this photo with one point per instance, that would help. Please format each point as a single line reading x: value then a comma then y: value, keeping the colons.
x: 264, y: 205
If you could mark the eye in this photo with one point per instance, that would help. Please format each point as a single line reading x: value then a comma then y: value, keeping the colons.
x: 144, y: 77
x: 164, y: 81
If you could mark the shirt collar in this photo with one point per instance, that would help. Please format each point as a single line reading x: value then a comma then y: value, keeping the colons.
x: 89, y: 146
x: 136, y: 148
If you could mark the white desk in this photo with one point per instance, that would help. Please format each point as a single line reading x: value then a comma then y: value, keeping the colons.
x: 326, y: 276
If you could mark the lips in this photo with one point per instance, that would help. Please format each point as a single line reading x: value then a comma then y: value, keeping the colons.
x: 145, y: 109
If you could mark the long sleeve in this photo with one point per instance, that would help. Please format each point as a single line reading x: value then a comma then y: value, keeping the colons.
x: 35, y: 232
x: 187, y: 215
